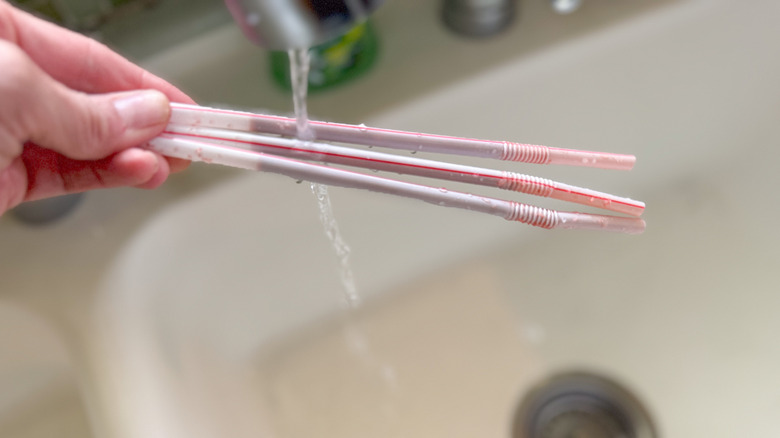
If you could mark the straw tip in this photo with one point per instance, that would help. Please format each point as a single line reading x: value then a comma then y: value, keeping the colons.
x: 615, y: 224
x: 625, y: 162
x: 601, y: 160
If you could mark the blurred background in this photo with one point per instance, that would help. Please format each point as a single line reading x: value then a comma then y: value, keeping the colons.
x: 214, y: 305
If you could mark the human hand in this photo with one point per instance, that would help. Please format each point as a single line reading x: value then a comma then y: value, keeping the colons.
x: 73, y: 113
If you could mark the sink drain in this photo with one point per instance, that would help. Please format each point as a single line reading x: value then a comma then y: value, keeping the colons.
x: 581, y: 405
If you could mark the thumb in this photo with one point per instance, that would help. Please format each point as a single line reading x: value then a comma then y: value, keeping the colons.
x: 90, y: 127
x: 37, y: 108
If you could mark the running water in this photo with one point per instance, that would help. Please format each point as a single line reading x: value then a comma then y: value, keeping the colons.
x: 299, y: 72
x: 351, y: 297
x: 355, y: 338
x: 299, y: 80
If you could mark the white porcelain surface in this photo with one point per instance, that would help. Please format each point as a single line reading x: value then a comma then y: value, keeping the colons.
x: 209, y: 308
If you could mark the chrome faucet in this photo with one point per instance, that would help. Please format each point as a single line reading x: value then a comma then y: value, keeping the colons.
x: 297, y: 24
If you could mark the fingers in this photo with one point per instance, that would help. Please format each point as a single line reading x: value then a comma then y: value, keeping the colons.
x: 40, y: 173
x: 10, y: 147
x: 89, y: 139
x: 78, y: 62
x: 38, y: 109
x: 13, y: 185
x: 177, y: 164
x: 50, y: 174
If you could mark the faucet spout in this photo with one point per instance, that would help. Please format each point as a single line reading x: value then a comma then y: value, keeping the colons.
x: 297, y: 24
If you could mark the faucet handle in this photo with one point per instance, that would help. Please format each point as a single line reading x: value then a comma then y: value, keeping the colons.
x: 478, y: 18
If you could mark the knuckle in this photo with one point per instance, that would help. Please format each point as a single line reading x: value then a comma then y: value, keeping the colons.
x: 10, y: 146
x: 7, y: 25
x: 97, y: 130
x: 18, y: 70
x: 99, y: 126
x: 16, y: 85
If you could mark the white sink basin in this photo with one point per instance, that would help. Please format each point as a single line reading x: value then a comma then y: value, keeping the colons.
x: 39, y: 395
x: 193, y: 311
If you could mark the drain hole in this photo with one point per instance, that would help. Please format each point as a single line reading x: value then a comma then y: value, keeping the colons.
x: 581, y: 405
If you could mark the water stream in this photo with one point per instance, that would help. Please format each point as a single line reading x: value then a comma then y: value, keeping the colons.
x: 356, y: 339
x: 299, y: 75
x: 299, y: 70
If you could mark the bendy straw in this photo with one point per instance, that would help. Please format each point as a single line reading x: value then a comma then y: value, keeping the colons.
x: 175, y: 146
x: 390, y: 138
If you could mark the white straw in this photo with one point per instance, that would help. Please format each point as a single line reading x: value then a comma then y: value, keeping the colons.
x: 358, y: 134
x: 413, y: 166
x: 173, y: 146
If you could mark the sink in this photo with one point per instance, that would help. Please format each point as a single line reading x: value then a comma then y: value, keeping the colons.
x: 40, y: 391
x: 214, y: 304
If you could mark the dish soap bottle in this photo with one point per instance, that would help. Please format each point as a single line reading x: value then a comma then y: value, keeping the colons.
x: 334, y: 62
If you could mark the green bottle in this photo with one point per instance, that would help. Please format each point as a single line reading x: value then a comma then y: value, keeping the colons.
x: 334, y: 62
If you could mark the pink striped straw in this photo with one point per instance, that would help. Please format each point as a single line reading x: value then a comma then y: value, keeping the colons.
x: 413, y: 166
x: 176, y: 146
x: 390, y: 138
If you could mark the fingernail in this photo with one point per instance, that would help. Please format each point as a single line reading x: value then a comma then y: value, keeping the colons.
x: 149, y: 155
x: 143, y: 109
